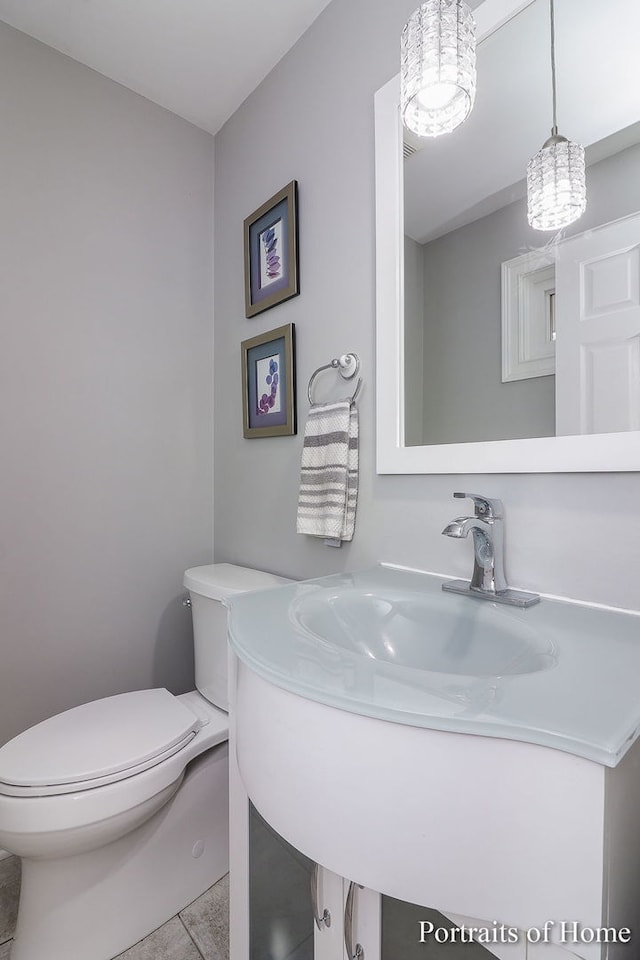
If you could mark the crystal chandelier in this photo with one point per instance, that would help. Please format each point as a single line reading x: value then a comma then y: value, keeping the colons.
x: 438, y: 73
x: 556, y: 189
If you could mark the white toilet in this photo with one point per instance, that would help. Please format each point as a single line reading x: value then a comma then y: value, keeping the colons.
x: 119, y: 807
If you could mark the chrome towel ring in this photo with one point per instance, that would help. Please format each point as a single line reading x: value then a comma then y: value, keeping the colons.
x: 347, y: 366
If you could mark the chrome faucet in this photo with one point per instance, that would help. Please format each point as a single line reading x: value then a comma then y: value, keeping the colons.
x: 488, y: 580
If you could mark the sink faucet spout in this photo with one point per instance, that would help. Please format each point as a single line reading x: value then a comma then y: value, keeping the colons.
x: 459, y: 528
x: 488, y: 568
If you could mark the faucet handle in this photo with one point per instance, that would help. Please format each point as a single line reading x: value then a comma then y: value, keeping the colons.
x: 485, y: 507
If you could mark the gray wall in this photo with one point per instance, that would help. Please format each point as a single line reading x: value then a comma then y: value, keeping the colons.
x: 105, y: 384
x: 464, y: 396
x: 312, y: 119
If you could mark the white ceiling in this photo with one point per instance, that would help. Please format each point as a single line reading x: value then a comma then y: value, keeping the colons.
x: 198, y: 58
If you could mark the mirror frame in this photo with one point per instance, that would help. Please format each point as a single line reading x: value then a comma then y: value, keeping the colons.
x: 596, y: 453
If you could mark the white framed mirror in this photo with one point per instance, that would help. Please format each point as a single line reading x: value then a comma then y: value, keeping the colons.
x: 443, y: 403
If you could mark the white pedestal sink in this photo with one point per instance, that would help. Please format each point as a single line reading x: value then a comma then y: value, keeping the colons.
x: 476, y: 759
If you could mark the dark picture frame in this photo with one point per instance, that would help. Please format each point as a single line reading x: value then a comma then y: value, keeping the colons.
x: 268, y: 383
x: 271, y: 252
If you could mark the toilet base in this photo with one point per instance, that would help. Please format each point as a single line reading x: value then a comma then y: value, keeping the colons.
x: 94, y: 905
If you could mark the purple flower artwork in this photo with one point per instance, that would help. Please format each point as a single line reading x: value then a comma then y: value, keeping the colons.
x: 270, y: 254
x: 268, y: 378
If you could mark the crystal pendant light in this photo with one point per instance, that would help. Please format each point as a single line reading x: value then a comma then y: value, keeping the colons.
x: 556, y: 189
x: 438, y: 73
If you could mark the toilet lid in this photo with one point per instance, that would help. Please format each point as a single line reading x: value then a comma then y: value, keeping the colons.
x: 103, y: 741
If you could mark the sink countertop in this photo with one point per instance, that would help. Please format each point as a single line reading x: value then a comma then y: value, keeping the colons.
x: 573, y: 682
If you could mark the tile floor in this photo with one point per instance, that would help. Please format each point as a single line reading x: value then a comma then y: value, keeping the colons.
x: 199, y: 932
x: 9, y: 890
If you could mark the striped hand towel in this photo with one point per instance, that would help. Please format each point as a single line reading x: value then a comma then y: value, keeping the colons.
x: 329, y: 471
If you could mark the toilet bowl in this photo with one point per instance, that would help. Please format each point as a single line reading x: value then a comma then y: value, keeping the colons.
x: 119, y: 807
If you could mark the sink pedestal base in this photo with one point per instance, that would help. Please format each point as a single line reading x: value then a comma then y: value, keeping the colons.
x: 478, y: 826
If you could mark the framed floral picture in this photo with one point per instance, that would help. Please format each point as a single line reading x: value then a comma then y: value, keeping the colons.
x: 268, y: 383
x: 271, y: 252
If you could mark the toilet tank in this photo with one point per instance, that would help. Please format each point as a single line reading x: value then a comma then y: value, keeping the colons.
x: 208, y: 586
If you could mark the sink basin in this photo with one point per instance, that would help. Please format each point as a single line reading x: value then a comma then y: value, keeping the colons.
x: 424, y: 633
x: 388, y: 643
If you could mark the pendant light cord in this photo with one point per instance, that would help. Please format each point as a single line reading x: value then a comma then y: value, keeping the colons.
x: 554, y: 129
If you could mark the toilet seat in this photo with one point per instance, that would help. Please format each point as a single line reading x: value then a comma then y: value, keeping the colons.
x: 97, y: 743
